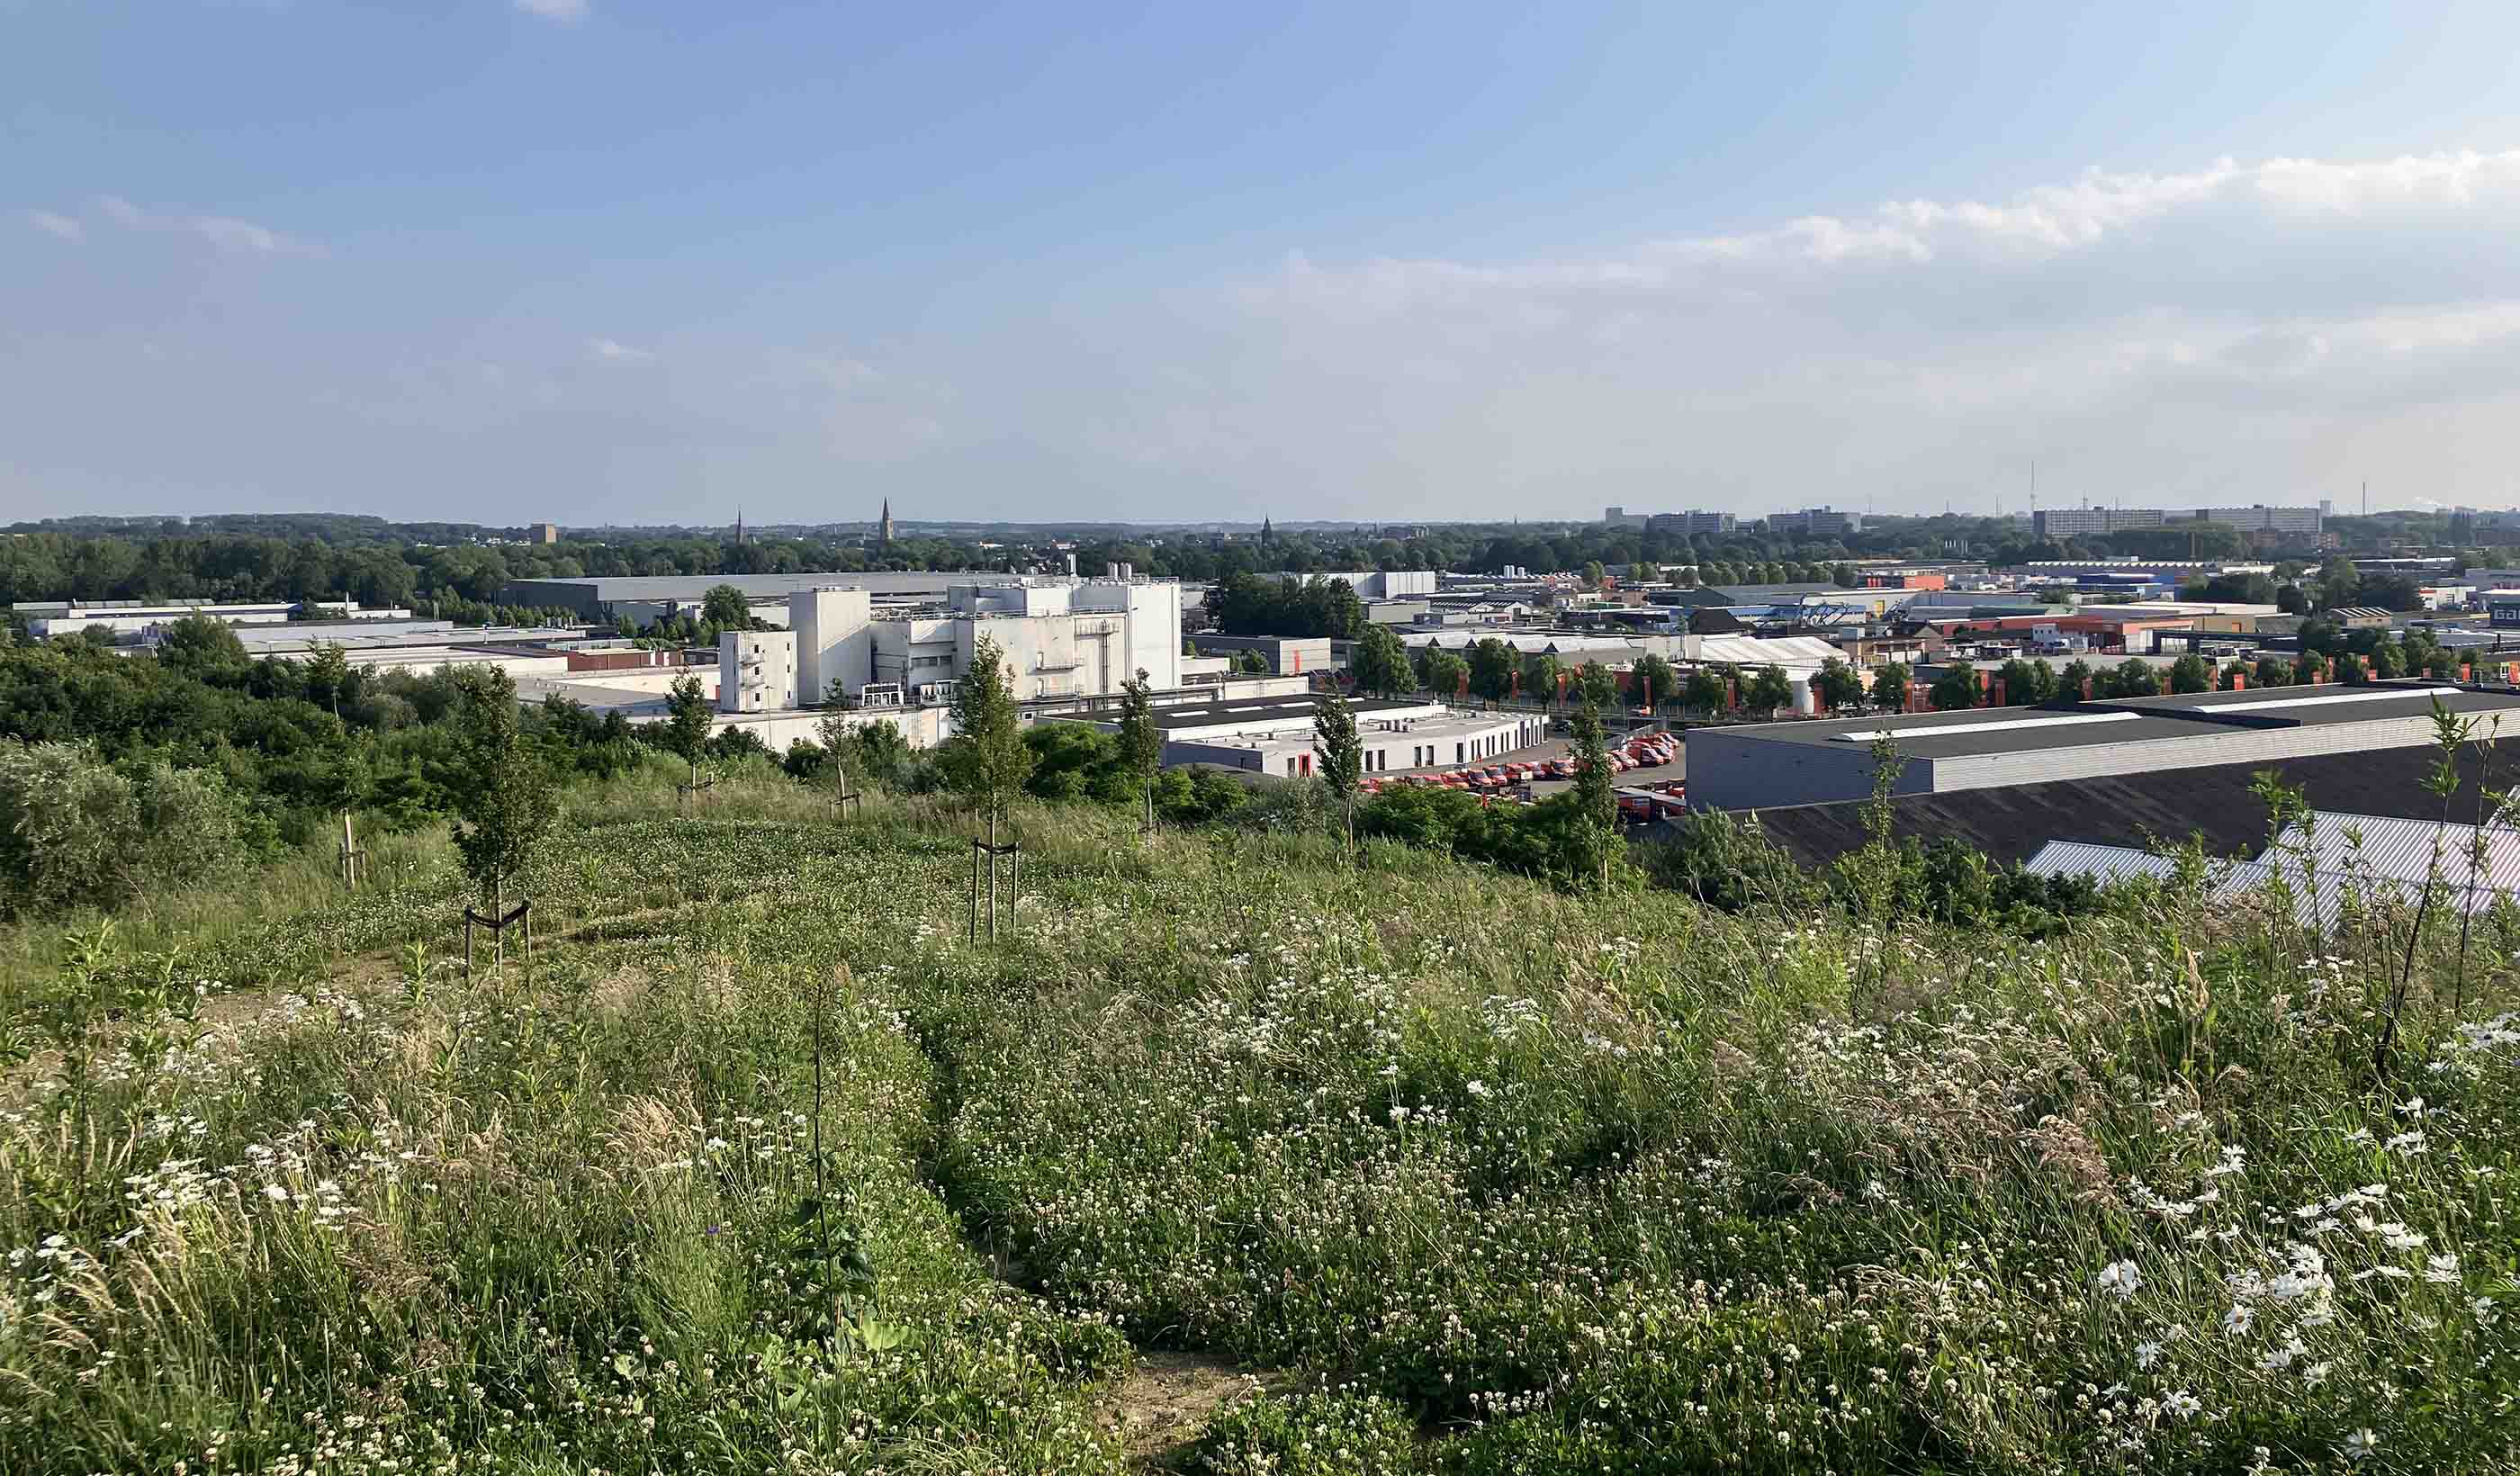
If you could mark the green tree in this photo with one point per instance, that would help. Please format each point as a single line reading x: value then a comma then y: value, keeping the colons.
x: 2291, y: 600
x: 1595, y: 576
x: 1890, y: 686
x: 2077, y: 680
x: 1379, y: 663
x: 2272, y: 671
x: 1955, y: 689
x: 1540, y: 673
x: 986, y: 760
x: 1250, y: 663
x: 1341, y: 752
x: 1446, y: 675
x: 1837, y: 685
x: 1654, y: 678
x: 2026, y: 683
x: 328, y: 675
x: 1704, y: 690
x: 504, y: 799
x: 2190, y: 673
x: 1769, y: 691
x: 689, y: 721
x: 831, y: 733
x: 198, y: 645
x: 725, y: 607
x: 2338, y: 583
x: 2308, y: 668
x: 2134, y: 677
x: 1142, y: 743
x: 2389, y: 660
x: 1597, y: 686
x: 1843, y: 575
x: 1493, y: 668
x: 1597, y: 805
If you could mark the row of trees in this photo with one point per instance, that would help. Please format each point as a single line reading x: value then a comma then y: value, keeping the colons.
x: 1242, y: 605
x: 445, y: 569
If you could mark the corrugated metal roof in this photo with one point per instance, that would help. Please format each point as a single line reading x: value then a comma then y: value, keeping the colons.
x: 2317, y: 894
x: 2102, y: 863
x: 2400, y: 849
x: 1767, y: 650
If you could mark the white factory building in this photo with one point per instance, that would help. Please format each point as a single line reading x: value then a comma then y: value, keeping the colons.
x: 127, y: 619
x: 1058, y: 638
x: 1275, y: 735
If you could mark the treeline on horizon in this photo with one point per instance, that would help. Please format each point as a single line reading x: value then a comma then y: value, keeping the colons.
x: 445, y: 571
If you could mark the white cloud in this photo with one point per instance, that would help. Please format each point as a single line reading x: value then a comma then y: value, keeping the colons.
x: 225, y: 232
x: 565, y: 11
x: 57, y: 225
x: 2256, y: 330
x: 613, y: 352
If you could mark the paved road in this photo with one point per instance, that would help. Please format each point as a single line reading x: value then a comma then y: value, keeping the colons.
x: 1678, y: 768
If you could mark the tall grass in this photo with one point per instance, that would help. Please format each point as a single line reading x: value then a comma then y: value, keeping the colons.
x: 1493, y: 1179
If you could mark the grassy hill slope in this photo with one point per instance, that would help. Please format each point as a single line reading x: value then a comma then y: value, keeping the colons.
x: 1469, y: 1175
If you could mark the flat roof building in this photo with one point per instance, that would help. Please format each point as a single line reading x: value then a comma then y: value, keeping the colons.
x: 1802, y: 763
x: 1275, y: 736
x: 601, y: 598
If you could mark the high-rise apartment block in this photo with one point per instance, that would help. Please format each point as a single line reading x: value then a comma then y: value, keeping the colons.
x: 1815, y: 523
x: 2258, y: 519
x: 1690, y: 523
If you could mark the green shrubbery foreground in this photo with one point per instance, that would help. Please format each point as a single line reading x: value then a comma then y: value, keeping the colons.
x: 1482, y: 1177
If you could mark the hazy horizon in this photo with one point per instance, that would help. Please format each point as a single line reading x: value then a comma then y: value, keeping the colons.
x: 625, y: 262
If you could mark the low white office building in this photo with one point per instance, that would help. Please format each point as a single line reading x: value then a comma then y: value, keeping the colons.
x: 1275, y: 735
x: 127, y: 619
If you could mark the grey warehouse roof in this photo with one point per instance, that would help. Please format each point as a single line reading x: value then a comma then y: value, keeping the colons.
x: 1267, y: 710
x: 2136, y: 720
x: 694, y: 586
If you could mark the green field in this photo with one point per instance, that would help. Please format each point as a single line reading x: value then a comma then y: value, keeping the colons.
x: 1232, y: 1155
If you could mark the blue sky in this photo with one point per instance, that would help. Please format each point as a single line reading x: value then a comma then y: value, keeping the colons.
x: 624, y: 260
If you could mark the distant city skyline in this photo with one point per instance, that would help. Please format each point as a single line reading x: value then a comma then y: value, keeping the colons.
x: 634, y: 262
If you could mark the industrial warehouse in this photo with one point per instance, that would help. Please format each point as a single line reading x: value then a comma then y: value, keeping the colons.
x: 1812, y: 763
x: 1276, y: 735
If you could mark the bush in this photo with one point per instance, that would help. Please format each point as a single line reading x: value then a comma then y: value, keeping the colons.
x: 76, y: 830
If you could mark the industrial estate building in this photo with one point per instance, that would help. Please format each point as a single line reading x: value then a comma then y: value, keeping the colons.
x: 644, y: 598
x: 1275, y: 736
x: 1803, y: 763
x: 140, y: 620
x: 1055, y: 639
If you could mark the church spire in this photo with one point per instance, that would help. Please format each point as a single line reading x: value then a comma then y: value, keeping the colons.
x: 738, y: 525
x: 883, y: 528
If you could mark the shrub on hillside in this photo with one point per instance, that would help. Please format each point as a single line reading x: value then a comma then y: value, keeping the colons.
x: 74, y: 830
